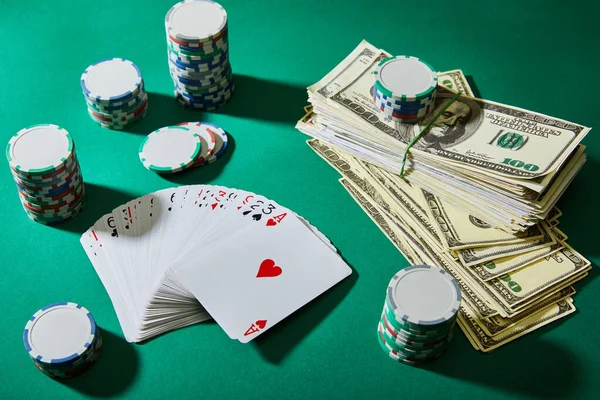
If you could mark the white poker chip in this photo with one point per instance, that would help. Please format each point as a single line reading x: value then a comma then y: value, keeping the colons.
x: 423, y: 295
x: 39, y: 149
x: 196, y: 20
x: 170, y: 149
x: 406, y: 78
x: 111, y: 80
x: 59, y: 333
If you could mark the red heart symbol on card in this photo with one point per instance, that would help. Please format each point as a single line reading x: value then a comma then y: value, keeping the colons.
x: 271, y: 222
x: 261, y: 323
x: 268, y: 269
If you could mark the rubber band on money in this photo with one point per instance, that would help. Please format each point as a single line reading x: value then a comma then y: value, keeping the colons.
x: 424, y: 130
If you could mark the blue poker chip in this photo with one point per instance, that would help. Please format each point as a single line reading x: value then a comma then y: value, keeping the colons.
x: 59, y: 333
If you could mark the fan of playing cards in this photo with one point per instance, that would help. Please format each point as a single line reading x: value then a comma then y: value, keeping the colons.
x: 180, y: 256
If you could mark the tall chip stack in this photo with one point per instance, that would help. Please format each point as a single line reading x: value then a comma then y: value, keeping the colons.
x: 198, y: 53
x: 44, y: 166
x: 404, y: 88
x: 114, y: 93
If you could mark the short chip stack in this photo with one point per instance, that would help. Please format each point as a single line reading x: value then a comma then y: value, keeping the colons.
x: 198, y: 51
x: 404, y: 89
x: 114, y: 93
x: 418, y: 317
x: 62, y: 340
x: 176, y: 148
x: 45, y: 168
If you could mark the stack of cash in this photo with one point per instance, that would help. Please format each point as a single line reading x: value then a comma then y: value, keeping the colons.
x: 464, y: 203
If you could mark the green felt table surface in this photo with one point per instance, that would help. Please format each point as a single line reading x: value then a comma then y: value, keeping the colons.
x: 539, y: 55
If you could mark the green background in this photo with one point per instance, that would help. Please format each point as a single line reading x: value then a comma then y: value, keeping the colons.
x: 539, y: 55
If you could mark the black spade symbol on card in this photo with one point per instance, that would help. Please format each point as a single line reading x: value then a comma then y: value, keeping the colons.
x: 114, y: 233
x: 257, y: 217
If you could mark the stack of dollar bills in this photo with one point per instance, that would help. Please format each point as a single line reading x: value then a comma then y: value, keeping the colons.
x: 478, y: 196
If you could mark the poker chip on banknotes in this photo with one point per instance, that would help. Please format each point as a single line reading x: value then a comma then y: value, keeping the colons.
x: 62, y: 339
x: 404, y: 88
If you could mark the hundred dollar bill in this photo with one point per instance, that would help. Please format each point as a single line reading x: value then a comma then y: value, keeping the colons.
x: 425, y: 252
x: 501, y: 266
x: 486, y: 343
x: 471, y: 257
x: 519, y: 286
x: 496, y: 324
x: 560, y: 235
x: 377, y: 217
x: 487, y: 137
x: 554, y: 215
x: 461, y: 230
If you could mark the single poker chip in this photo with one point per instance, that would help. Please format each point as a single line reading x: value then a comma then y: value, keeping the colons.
x: 59, y: 333
x: 196, y: 21
x: 423, y: 296
x: 220, y: 142
x: 170, y: 149
x: 207, y: 138
x: 405, y: 78
x: 111, y: 80
x: 39, y: 149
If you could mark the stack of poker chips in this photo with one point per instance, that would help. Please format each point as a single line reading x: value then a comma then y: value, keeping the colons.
x: 114, y: 93
x: 176, y: 148
x: 404, y: 89
x: 419, y: 313
x: 44, y: 166
x: 198, y: 52
x: 62, y: 340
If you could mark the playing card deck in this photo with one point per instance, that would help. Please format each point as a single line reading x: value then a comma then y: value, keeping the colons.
x: 182, y: 255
